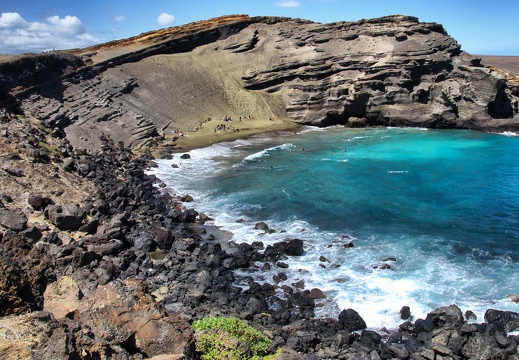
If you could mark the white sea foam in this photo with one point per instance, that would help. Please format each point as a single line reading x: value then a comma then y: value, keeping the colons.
x: 509, y: 133
x: 260, y: 154
x: 347, y: 277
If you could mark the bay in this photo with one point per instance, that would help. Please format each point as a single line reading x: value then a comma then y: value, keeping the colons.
x: 432, y: 214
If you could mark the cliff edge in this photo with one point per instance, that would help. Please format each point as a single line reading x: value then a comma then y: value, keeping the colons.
x: 391, y: 71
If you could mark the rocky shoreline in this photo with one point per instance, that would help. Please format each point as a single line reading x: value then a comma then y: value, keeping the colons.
x: 99, y: 262
x: 122, y: 275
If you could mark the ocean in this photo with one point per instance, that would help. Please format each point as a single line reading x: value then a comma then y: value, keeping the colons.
x: 432, y: 214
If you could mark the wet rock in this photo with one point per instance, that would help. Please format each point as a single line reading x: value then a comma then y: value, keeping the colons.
x: 188, y: 216
x: 505, y: 321
x: 350, y: 320
x: 293, y: 247
x: 315, y: 294
x: 445, y: 316
x: 405, y: 312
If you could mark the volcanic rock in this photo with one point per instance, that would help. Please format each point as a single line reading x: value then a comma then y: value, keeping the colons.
x: 15, y: 220
x: 66, y: 217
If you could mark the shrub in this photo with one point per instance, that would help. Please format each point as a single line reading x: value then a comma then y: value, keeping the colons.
x: 231, y: 339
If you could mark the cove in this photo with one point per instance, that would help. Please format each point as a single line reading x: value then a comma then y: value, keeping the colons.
x: 432, y: 214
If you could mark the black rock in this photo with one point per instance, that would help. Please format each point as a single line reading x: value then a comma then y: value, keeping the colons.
x: 405, y: 312
x: 351, y: 320
x: 66, y: 217
x: 506, y: 321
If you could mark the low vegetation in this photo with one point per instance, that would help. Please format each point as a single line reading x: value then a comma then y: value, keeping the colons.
x: 231, y: 339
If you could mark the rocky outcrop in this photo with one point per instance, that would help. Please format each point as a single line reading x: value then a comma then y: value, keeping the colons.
x: 391, y: 71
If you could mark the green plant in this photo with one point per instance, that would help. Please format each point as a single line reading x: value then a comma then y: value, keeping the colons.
x: 49, y: 150
x: 231, y: 339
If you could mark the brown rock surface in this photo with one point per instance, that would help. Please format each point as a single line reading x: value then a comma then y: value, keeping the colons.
x: 62, y: 297
x: 122, y: 312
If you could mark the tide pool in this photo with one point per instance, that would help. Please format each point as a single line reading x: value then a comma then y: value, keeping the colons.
x: 439, y: 207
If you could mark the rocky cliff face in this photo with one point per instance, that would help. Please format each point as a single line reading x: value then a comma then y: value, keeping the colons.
x: 392, y: 71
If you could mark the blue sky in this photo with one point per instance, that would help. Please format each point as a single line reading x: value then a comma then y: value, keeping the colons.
x: 481, y: 27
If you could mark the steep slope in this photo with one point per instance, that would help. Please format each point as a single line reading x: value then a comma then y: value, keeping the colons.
x: 392, y: 71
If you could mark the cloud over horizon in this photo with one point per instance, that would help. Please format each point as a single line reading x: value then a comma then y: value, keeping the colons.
x: 18, y: 35
x: 165, y: 19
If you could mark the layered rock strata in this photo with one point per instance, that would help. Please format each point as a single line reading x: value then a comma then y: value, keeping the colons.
x: 392, y: 71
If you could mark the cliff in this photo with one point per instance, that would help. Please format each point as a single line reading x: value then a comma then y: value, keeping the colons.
x: 392, y: 71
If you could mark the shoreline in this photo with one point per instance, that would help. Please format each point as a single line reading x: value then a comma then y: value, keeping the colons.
x: 207, y: 135
x: 220, y: 227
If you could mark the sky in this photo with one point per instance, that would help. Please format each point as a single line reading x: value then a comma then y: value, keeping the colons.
x: 480, y: 27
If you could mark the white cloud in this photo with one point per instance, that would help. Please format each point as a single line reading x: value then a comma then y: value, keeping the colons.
x: 288, y: 4
x: 165, y: 19
x: 18, y: 35
x: 119, y: 18
x: 8, y: 20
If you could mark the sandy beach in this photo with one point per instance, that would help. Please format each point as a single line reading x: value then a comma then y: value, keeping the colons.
x: 208, y: 133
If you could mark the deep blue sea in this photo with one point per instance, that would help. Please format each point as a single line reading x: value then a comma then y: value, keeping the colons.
x: 440, y: 207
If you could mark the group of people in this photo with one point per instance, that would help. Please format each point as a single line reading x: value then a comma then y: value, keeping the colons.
x: 223, y: 127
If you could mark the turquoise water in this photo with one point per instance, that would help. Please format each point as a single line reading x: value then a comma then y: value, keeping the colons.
x: 439, y: 207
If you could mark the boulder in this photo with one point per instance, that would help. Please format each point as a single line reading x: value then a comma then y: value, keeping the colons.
x: 66, y: 217
x: 446, y: 316
x: 506, y: 321
x: 38, y: 202
x: 350, y: 320
x: 15, y: 220
x: 188, y: 216
x: 293, y: 247
x: 405, y: 312
x: 122, y: 312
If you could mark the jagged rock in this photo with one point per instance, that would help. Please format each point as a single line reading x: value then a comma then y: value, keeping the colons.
x: 38, y: 202
x: 25, y: 271
x: 447, y: 315
x: 405, y: 313
x: 62, y: 297
x: 16, y: 295
x: 66, y: 217
x: 15, y: 220
x: 293, y: 247
x: 121, y: 312
x: 32, y: 233
x: 188, y: 216
x: 503, y: 320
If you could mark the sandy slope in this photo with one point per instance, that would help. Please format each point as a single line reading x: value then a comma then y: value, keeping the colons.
x: 195, y: 90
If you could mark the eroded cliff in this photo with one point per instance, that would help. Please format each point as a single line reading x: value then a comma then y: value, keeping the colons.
x: 392, y: 71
